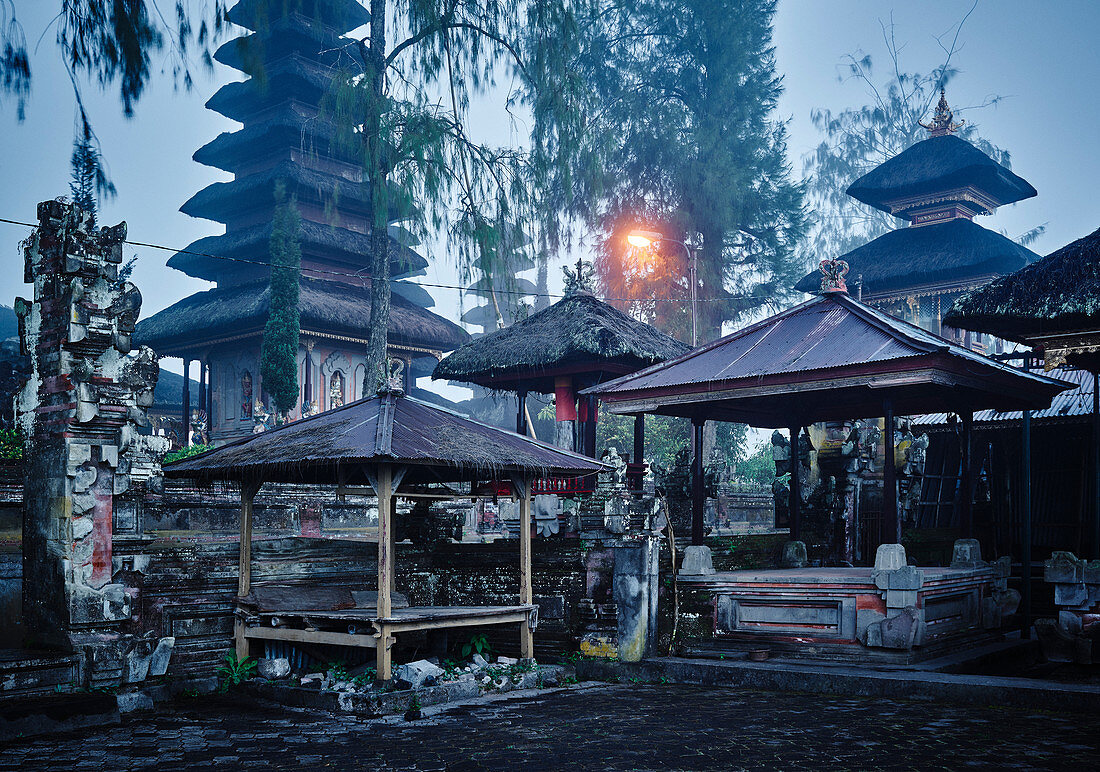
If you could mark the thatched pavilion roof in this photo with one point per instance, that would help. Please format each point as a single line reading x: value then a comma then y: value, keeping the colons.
x: 935, y: 165
x: 955, y: 250
x: 579, y: 335
x: 1059, y: 293
x: 436, y: 444
x: 325, y: 306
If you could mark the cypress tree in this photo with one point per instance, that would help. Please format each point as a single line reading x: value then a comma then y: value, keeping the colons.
x: 279, y: 353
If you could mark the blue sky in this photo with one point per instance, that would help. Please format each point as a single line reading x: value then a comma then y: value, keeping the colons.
x: 1039, y: 56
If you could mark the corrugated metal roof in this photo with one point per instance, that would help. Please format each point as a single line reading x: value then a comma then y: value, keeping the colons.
x: 1069, y: 404
x: 388, y: 428
x: 829, y: 332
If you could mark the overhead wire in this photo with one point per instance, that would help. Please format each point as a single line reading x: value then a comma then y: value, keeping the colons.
x: 428, y: 285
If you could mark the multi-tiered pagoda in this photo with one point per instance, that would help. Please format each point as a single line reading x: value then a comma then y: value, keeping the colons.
x: 938, y: 185
x: 291, y: 58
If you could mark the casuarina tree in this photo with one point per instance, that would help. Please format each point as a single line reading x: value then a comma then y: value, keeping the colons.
x: 681, y: 139
x: 279, y: 351
x: 402, y: 106
x: 89, y: 182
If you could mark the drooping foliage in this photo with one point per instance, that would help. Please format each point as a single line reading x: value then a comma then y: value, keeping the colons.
x: 279, y: 351
x: 856, y: 140
x: 109, y: 43
x: 678, y: 136
x: 89, y: 183
x: 422, y: 164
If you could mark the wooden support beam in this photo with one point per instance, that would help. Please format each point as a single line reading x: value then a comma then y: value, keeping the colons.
x: 1025, y: 529
x: 186, y: 403
x: 1095, y: 465
x: 698, y: 494
x: 526, y: 636
x: 890, y: 529
x: 794, y: 499
x: 639, y: 451
x: 244, y: 564
x: 384, y: 490
x: 521, y: 412
x: 966, y: 482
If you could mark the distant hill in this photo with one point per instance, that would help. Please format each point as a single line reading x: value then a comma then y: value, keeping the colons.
x: 9, y: 323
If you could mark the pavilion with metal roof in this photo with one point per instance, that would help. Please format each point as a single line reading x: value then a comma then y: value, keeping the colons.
x: 832, y: 358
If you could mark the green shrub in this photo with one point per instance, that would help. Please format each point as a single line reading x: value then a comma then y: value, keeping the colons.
x: 187, y: 452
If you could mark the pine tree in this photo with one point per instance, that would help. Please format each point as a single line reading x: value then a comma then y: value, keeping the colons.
x: 279, y: 352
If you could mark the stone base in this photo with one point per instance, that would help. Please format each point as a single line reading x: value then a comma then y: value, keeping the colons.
x: 697, y: 561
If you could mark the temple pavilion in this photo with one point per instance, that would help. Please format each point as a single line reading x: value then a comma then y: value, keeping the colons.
x: 291, y: 57
x: 938, y: 185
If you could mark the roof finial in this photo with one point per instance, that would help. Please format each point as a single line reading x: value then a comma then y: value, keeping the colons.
x: 833, y: 272
x: 580, y: 280
x: 942, y: 122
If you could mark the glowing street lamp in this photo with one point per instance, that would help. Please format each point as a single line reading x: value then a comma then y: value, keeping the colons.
x: 646, y: 239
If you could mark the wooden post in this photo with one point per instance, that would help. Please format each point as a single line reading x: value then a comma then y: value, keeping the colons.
x: 521, y: 412
x: 244, y: 565
x: 966, y: 483
x: 891, y: 528
x: 185, y: 439
x: 384, y: 492
x: 526, y: 636
x: 1025, y: 530
x: 698, y: 495
x: 639, y: 451
x: 209, y: 406
x: 1096, y: 465
x: 202, y: 384
x: 794, y: 500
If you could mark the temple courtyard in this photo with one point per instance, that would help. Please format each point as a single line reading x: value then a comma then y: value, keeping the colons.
x: 624, y: 726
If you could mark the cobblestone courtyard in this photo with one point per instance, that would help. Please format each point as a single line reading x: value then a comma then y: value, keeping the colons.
x: 622, y: 727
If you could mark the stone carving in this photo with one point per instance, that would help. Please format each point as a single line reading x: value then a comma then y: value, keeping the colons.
x: 80, y: 410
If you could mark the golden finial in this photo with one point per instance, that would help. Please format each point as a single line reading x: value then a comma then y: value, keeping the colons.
x: 942, y: 124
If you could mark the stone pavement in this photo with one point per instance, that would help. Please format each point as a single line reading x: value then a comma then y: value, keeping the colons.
x: 606, y: 727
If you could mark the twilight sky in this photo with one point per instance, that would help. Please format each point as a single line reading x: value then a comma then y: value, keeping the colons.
x: 1040, y: 56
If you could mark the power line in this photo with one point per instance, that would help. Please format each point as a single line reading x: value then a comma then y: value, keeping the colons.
x: 431, y: 285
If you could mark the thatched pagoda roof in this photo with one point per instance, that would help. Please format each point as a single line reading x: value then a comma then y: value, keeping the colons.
x: 343, y: 14
x: 293, y: 78
x: 1059, y: 293
x: 579, y: 335
x: 935, y: 165
x: 337, y: 244
x: 954, y: 251
x: 325, y: 307
x: 435, y: 444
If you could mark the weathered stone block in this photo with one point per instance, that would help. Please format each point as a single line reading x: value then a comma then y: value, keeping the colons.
x: 901, y: 598
x: 991, y: 614
x: 133, y: 702
x: 697, y: 561
x: 162, y: 654
x: 794, y: 555
x: 1007, y: 600
x: 967, y: 553
x: 1069, y: 622
x: 1063, y: 568
x: 417, y: 674
x: 906, y: 578
x: 1090, y: 573
x: 890, y: 557
x: 1070, y: 594
x: 273, y: 669
x: 900, y: 631
x: 1057, y: 644
x: 868, y: 631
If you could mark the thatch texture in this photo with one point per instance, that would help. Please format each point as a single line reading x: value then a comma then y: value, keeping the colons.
x: 325, y: 306
x: 327, y: 242
x: 955, y: 250
x: 1059, y: 293
x: 286, y: 126
x: 436, y: 444
x: 222, y: 201
x: 934, y: 165
x: 579, y: 334
x: 343, y: 14
x: 305, y: 81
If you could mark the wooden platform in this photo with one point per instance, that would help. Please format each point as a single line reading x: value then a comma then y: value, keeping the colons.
x: 363, y: 627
